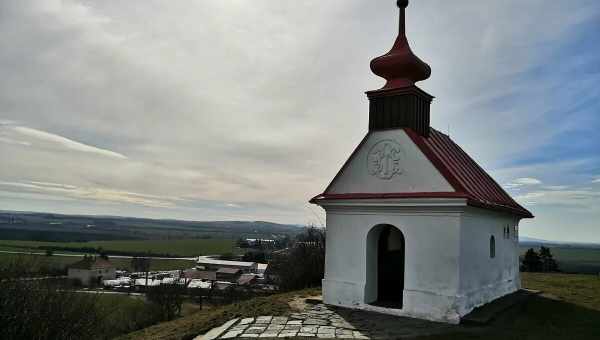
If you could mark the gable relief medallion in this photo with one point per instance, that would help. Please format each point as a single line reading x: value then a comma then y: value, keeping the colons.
x: 383, y: 160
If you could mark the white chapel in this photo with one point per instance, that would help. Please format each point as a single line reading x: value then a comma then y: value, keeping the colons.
x: 415, y: 227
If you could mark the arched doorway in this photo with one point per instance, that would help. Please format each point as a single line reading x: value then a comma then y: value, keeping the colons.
x: 385, y: 266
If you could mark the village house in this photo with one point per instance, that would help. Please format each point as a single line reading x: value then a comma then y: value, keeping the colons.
x: 91, y: 270
x: 415, y: 227
x: 228, y: 274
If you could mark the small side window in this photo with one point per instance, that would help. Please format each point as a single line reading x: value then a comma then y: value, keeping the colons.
x: 492, y: 247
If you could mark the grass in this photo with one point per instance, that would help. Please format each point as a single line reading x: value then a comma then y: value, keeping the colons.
x: 61, y: 262
x: 124, y: 314
x: 580, y: 290
x: 182, y: 248
x: 568, y: 309
x: 201, y: 322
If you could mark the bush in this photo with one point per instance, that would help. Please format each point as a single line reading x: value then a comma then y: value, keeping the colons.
x: 47, y: 309
x: 302, y: 265
x: 168, y: 299
x: 37, y: 310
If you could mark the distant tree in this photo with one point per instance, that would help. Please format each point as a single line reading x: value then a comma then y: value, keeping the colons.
x: 303, y: 264
x: 548, y: 262
x: 49, y: 252
x: 102, y: 253
x: 140, y: 264
x: 242, y: 243
x: 168, y: 298
x: 531, y: 261
x: 255, y: 256
x: 282, y: 243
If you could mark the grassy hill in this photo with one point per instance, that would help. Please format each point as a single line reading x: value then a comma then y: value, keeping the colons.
x: 58, y: 227
x: 568, y: 309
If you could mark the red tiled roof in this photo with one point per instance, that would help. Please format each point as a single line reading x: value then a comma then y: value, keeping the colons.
x: 467, y: 178
x: 200, y: 274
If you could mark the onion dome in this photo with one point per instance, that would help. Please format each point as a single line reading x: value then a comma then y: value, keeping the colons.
x: 400, y: 66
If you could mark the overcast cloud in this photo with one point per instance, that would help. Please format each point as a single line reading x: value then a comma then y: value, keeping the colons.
x: 238, y: 109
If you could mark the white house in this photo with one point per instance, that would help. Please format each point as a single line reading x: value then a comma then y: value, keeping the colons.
x: 414, y: 226
x: 91, y: 270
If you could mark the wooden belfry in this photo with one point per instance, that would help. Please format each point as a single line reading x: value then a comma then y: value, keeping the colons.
x: 400, y: 103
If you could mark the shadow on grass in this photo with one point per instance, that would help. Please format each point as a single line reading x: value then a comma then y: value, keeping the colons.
x: 537, y: 318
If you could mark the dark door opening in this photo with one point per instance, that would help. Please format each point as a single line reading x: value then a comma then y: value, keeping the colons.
x: 390, y: 268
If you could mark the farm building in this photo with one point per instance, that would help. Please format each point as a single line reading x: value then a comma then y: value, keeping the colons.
x: 205, y: 275
x: 228, y: 274
x: 415, y: 227
x: 247, y: 279
x: 91, y: 270
x: 261, y: 268
x: 208, y: 263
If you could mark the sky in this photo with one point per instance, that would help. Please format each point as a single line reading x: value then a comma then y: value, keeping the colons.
x: 244, y: 110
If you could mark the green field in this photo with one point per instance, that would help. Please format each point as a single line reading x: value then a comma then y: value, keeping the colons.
x: 59, y: 263
x: 575, y: 260
x: 183, y: 248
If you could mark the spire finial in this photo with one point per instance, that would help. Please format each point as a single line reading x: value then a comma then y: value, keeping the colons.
x: 400, y: 67
x: 402, y: 4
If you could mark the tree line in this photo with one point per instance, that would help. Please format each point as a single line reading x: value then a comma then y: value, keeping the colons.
x: 542, y: 261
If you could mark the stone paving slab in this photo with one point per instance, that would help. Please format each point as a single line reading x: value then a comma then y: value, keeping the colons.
x: 326, y: 322
x: 217, y: 332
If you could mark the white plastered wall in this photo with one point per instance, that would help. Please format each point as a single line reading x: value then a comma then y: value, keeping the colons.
x: 417, y: 173
x: 432, y: 248
x: 482, y: 278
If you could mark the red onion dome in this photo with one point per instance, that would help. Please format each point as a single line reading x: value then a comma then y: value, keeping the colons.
x: 400, y: 66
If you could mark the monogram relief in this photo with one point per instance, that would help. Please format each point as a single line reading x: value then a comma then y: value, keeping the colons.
x: 384, y: 159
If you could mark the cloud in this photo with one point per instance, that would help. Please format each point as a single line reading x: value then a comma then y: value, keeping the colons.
x: 90, y: 193
x: 585, y: 198
x: 45, y: 139
x: 596, y: 180
x: 233, y: 205
x: 521, y: 182
x: 556, y: 187
x: 264, y: 100
x: 13, y: 141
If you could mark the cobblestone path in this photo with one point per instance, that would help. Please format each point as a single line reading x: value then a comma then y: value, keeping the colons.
x: 320, y: 321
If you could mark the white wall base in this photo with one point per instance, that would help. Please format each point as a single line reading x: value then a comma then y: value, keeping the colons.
x: 469, y: 301
x: 418, y: 304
